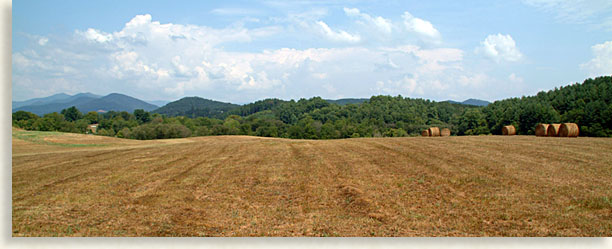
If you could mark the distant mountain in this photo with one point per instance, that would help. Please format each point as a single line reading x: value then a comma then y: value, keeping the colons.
x: 116, y: 102
x: 346, y: 101
x: 52, y: 98
x: 158, y: 102
x: 75, y: 97
x: 476, y: 102
x: 58, y: 106
x: 86, y: 102
x: 196, y: 107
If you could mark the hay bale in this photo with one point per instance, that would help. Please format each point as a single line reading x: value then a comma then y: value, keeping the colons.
x: 568, y: 130
x: 508, y: 130
x: 445, y: 132
x: 553, y: 130
x: 425, y: 133
x: 434, y: 131
x: 541, y: 130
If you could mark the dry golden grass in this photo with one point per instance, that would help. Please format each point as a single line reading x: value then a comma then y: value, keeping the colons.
x: 250, y: 186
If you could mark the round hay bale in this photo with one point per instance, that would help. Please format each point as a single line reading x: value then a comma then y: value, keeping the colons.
x: 425, y: 133
x: 553, y: 130
x: 434, y: 131
x: 541, y: 130
x: 445, y: 132
x: 568, y: 130
x: 508, y: 130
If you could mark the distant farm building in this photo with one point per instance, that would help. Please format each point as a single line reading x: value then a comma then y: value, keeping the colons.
x: 91, y: 129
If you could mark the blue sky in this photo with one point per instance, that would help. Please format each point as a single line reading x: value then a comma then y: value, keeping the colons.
x: 242, y: 51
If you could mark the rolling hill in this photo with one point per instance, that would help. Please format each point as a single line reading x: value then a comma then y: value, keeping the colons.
x: 56, y: 98
x: 116, y: 102
x: 195, y: 107
x: 347, y: 101
x: 474, y: 102
x: 85, y: 102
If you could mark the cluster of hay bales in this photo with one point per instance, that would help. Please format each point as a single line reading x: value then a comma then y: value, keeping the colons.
x: 548, y: 130
x: 557, y: 130
x: 508, y: 130
x: 436, y: 132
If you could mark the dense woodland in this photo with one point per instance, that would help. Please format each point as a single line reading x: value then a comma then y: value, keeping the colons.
x: 588, y: 104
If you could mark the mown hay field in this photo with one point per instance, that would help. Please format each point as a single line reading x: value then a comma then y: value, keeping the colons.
x: 85, y: 185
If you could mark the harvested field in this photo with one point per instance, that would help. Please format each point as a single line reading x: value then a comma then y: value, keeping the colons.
x: 84, y: 185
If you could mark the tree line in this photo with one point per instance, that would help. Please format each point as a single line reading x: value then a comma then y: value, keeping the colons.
x: 588, y: 104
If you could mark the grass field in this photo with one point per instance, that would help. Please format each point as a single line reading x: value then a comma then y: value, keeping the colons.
x: 83, y: 185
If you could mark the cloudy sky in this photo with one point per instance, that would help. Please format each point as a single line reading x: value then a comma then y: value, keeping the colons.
x: 242, y: 51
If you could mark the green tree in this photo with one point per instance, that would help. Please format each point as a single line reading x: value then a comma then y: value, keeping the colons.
x: 142, y: 116
x: 72, y: 114
x: 472, y: 122
x: 232, y: 124
x: 92, y: 117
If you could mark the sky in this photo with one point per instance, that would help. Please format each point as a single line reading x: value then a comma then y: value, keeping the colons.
x: 243, y: 51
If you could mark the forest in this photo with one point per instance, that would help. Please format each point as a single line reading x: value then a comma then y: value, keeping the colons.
x: 589, y: 104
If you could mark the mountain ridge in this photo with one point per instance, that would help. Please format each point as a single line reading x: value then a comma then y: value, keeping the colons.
x: 471, y: 101
x: 195, y: 107
x: 85, y: 102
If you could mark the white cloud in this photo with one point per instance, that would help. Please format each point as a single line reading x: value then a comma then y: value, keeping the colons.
x: 406, y: 85
x: 476, y: 80
x: 154, y: 60
x: 500, y: 48
x: 341, y: 35
x: 601, y: 64
x: 440, y: 54
x: 95, y: 35
x: 381, y: 24
x: 42, y: 41
x: 234, y: 11
x: 419, y: 26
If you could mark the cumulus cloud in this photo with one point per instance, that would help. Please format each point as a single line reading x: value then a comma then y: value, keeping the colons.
x: 95, y: 35
x: 43, y: 41
x: 154, y: 60
x: 500, y: 48
x: 341, y: 35
x: 601, y: 64
x: 419, y: 26
x: 381, y: 24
